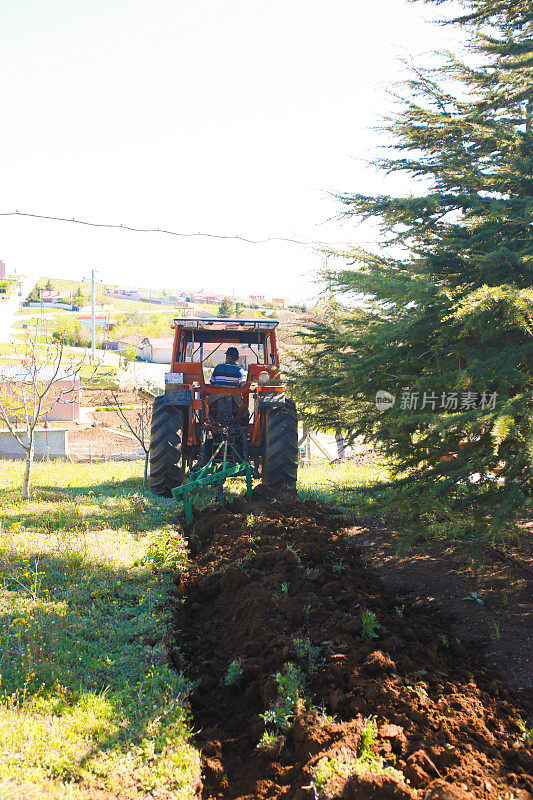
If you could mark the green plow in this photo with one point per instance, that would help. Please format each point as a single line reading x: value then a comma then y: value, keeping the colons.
x: 214, y: 473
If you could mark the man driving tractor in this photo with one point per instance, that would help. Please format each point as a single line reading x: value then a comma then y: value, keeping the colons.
x: 229, y: 373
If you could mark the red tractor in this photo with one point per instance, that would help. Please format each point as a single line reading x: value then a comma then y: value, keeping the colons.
x: 194, y: 417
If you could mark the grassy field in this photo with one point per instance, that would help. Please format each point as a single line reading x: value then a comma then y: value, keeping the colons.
x: 88, y: 705
x: 346, y: 485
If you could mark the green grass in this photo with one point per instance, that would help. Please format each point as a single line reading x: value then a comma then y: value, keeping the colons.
x: 347, y: 485
x: 87, y: 699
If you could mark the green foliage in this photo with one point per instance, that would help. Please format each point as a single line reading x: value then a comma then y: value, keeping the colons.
x: 370, y: 625
x: 226, y: 307
x: 289, y: 700
x: 526, y: 734
x: 83, y: 697
x: 234, y: 673
x: 446, y: 304
x: 367, y: 739
x: 166, y: 550
x: 268, y: 740
x: 324, y: 771
x: 306, y: 650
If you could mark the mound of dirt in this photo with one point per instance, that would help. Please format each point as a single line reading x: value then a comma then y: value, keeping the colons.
x: 402, y: 712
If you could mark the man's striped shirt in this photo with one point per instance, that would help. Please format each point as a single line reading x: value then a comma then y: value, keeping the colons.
x: 228, y: 374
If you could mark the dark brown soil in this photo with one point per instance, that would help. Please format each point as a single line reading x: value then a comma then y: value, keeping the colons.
x: 291, y: 571
x: 440, y: 574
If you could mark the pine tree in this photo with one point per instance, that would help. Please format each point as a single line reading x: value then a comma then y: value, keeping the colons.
x: 226, y: 307
x: 446, y: 306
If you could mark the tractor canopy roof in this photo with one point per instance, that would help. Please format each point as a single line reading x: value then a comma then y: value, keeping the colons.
x: 223, y: 324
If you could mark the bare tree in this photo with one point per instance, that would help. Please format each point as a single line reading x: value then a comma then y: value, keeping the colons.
x: 140, y: 425
x: 31, y: 388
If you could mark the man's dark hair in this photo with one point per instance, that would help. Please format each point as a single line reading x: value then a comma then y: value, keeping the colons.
x: 232, y: 354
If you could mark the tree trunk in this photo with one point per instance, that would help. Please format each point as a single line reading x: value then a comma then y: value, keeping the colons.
x: 26, y: 481
x: 146, y: 456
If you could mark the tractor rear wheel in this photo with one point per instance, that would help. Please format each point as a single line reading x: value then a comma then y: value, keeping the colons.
x: 280, y: 462
x: 167, y: 459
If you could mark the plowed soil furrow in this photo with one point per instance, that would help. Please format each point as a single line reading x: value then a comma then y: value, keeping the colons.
x: 276, y: 583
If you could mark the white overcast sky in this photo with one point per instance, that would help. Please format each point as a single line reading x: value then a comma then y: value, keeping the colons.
x: 223, y: 116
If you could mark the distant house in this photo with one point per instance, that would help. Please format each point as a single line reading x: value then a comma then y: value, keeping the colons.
x: 279, y: 302
x: 205, y: 297
x: 133, y: 340
x: 52, y: 295
x: 157, y: 349
x: 65, y: 389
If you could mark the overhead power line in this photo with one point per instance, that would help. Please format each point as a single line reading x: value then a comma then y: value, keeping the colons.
x: 199, y: 234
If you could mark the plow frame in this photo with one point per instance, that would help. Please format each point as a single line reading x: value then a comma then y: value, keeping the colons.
x: 214, y: 473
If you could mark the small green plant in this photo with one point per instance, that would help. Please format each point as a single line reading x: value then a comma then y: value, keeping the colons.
x: 285, y: 588
x: 307, y: 610
x: 289, y: 701
x: 495, y: 630
x: 443, y: 639
x: 324, y: 771
x: 399, y: 610
x: 323, y: 714
x: 296, y: 554
x: 251, y: 520
x: 234, y: 673
x: 370, y: 625
x: 526, y: 733
x: 166, y: 551
x: 367, y: 739
x: 305, y: 649
x: 421, y: 692
x: 337, y: 566
x: 268, y: 741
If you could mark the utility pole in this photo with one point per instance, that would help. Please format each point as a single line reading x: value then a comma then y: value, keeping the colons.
x: 93, y: 321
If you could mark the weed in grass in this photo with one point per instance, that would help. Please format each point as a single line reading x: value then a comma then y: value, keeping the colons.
x: 251, y: 520
x: 166, y: 551
x: 337, y: 566
x: 370, y: 625
x: 233, y: 674
x: 399, y: 610
x: 308, y: 609
x: 285, y: 588
x: 495, y: 630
